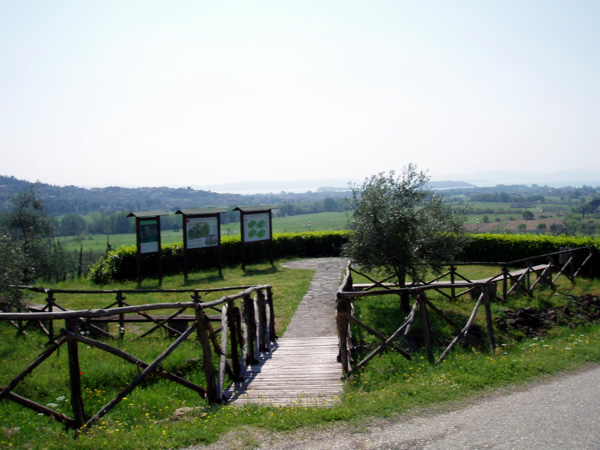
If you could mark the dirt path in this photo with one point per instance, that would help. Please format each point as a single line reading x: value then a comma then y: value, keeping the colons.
x: 562, y: 412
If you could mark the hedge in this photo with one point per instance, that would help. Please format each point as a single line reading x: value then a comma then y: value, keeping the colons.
x: 121, y: 265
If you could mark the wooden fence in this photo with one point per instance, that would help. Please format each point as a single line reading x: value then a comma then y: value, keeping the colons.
x: 545, y: 269
x: 247, y: 327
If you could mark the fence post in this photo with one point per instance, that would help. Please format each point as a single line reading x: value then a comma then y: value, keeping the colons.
x: 50, y: 303
x: 120, y: 299
x: 272, y: 333
x: 426, y: 330
x: 452, y: 279
x: 233, y: 332
x: 343, y: 307
x: 549, y: 275
x: 75, y: 374
x: 262, y: 321
x: 249, y: 330
x: 504, y: 282
x: 212, y: 393
x: 488, y: 318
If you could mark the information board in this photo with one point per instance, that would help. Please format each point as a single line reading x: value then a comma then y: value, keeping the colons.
x: 257, y: 227
x: 202, y: 232
x: 149, y: 237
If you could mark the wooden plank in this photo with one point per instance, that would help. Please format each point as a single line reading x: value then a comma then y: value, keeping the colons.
x: 296, y: 372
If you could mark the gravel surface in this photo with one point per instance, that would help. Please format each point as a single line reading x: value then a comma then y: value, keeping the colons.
x: 563, y: 413
x: 315, y: 315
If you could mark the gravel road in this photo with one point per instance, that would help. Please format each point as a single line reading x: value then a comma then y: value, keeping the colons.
x: 560, y: 413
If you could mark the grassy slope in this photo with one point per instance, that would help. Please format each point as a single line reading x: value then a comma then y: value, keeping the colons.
x: 388, y: 386
x: 292, y: 224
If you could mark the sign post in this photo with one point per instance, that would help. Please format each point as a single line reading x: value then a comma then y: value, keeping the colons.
x: 201, y: 230
x: 147, y: 230
x: 256, y: 226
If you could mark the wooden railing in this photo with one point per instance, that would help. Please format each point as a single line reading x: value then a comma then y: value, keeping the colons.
x: 247, y: 327
x: 546, y: 268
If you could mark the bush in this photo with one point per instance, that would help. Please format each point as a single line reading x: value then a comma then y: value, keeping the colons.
x: 511, y: 247
x: 121, y: 265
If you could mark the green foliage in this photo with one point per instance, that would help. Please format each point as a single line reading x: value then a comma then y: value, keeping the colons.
x: 528, y: 215
x: 121, y: 265
x: 401, y: 228
x: 13, y: 264
x: 513, y: 247
x: 29, y: 225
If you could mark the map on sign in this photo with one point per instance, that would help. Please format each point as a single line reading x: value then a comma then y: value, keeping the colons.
x: 202, y: 232
x: 149, y: 236
x: 256, y: 227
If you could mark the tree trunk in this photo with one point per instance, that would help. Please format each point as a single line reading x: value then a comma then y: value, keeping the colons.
x: 405, y: 296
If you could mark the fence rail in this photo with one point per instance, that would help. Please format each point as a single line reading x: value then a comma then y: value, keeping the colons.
x: 568, y: 262
x: 247, y: 326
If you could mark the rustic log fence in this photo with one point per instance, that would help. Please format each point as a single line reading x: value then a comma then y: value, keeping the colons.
x: 247, y: 327
x: 172, y: 323
x: 547, y: 268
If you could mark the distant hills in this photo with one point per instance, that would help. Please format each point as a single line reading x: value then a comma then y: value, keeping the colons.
x: 59, y: 200
x: 573, y: 178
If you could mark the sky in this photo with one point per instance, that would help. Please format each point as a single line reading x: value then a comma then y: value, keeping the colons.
x: 200, y: 93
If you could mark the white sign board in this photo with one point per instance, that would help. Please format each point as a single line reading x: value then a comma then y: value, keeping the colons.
x: 257, y: 227
x: 202, y: 232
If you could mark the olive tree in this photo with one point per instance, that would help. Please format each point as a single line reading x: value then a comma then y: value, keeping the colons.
x: 401, y: 229
x: 13, y: 263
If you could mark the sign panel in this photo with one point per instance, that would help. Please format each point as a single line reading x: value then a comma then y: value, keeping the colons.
x: 202, y: 232
x: 149, y: 236
x: 257, y: 227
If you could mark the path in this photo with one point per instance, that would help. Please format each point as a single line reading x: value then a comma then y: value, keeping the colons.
x: 303, y: 367
x: 561, y: 413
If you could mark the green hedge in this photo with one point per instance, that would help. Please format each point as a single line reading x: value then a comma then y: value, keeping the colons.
x: 514, y: 247
x: 121, y: 265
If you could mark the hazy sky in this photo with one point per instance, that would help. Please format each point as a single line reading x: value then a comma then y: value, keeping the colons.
x: 153, y: 93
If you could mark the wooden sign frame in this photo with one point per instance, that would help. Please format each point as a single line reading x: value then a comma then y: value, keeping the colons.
x: 206, y: 224
x: 256, y: 225
x: 148, y: 240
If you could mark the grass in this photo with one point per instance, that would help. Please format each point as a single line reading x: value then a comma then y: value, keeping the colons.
x: 388, y: 386
x: 327, y: 221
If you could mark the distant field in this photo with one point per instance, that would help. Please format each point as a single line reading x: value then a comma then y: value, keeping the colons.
x: 292, y: 224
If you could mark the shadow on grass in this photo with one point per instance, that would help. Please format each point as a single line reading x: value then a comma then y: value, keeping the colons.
x: 249, y: 272
x: 207, y: 279
x: 149, y: 284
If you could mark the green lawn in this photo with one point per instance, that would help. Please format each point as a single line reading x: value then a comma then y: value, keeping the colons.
x: 388, y: 386
x: 291, y: 224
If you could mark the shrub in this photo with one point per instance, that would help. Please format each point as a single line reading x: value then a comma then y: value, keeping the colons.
x: 121, y: 265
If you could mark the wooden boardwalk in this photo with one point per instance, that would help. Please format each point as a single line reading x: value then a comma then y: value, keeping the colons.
x: 302, y: 368
x: 297, y: 372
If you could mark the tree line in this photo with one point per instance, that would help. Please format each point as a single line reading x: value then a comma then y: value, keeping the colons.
x: 73, y: 224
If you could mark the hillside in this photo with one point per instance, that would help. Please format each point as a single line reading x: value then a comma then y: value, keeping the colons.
x: 59, y: 200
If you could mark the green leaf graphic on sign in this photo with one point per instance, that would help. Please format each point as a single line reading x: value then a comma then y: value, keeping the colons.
x: 252, y: 224
x: 261, y: 224
x: 252, y: 233
x: 261, y: 233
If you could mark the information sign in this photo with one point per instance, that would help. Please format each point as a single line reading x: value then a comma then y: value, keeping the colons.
x: 149, y: 236
x: 202, y: 232
x: 257, y: 227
